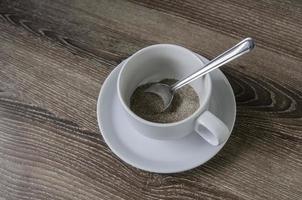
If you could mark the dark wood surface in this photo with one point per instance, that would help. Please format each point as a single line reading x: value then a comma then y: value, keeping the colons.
x: 55, y: 56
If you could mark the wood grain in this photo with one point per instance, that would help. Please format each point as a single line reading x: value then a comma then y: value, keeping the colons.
x: 55, y: 55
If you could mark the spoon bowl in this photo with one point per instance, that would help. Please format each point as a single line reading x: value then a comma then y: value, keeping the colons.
x: 164, y: 91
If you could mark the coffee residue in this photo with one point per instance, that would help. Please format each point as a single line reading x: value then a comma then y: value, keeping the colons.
x: 148, y: 105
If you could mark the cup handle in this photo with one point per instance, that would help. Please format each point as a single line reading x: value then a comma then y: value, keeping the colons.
x: 211, y: 128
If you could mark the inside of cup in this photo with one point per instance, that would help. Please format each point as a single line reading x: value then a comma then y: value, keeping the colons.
x: 159, y: 62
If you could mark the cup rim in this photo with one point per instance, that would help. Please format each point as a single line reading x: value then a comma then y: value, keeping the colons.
x: 156, y: 124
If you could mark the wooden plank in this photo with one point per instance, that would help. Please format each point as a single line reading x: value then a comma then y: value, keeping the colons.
x: 55, y: 55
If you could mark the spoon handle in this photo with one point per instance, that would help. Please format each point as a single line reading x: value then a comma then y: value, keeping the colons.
x: 239, y: 49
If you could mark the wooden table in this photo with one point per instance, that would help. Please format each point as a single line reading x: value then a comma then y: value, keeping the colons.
x: 55, y: 56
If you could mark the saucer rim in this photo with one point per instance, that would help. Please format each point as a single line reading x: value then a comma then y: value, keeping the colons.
x: 145, y: 168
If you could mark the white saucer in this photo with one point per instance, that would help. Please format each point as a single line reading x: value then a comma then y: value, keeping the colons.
x: 155, y: 155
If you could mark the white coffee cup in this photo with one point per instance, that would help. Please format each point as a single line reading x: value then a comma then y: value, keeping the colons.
x: 158, y: 62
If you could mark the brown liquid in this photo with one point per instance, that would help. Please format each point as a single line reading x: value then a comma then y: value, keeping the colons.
x: 148, y: 105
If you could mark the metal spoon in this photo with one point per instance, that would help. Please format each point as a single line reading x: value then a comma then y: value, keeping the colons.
x: 167, y: 92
